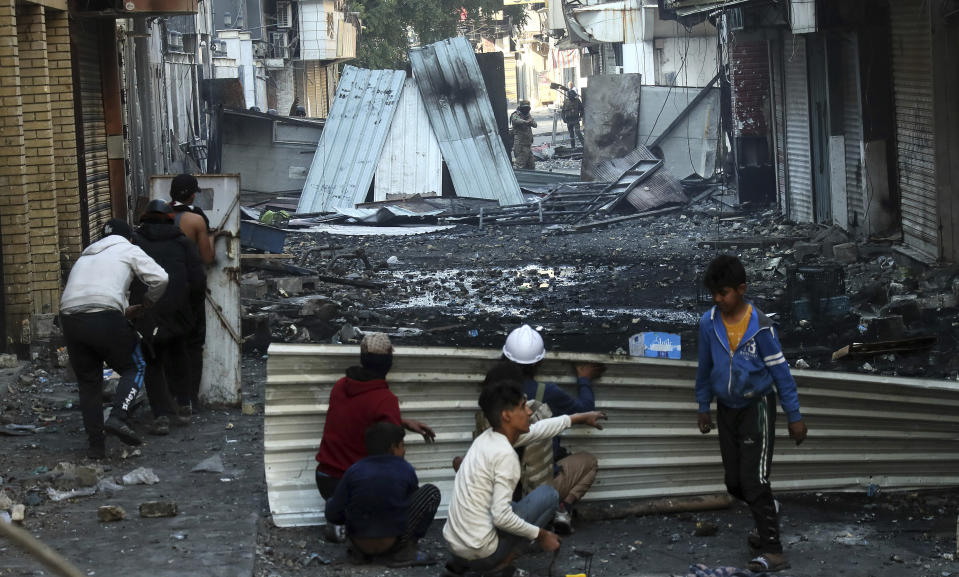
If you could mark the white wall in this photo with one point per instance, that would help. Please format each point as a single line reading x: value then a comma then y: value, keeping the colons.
x: 315, y: 41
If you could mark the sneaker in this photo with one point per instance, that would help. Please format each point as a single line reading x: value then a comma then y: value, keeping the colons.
x: 97, y: 451
x: 563, y: 522
x: 160, y: 426
x: 182, y: 418
x: 116, y: 426
x: 768, y: 562
x: 334, y: 533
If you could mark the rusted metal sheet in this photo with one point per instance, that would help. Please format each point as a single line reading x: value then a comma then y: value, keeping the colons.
x: 451, y: 83
x: 864, y: 430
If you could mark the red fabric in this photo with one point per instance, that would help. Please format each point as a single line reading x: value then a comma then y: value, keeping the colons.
x: 354, y: 406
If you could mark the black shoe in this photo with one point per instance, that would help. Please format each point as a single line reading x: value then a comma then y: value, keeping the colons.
x: 116, y: 426
x: 160, y: 426
x: 97, y: 451
x: 182, y: 418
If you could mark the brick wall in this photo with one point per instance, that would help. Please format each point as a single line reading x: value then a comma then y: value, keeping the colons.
x: 14, y: 220
x: 38, y: 178
x: 64, y: 138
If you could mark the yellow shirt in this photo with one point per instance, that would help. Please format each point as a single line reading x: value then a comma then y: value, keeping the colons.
x: 735, y: 331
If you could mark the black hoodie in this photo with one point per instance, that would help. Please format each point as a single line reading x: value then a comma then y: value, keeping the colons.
x: 172, y: 316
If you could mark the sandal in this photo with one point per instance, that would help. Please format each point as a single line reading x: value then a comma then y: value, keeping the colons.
x: 768, y: 562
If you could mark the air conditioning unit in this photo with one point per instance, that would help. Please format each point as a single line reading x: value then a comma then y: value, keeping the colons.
x: 174, y: 41
x: 735, y: 16
x: 281, y: 44
x: 219, y: 47
x: 284, y: 15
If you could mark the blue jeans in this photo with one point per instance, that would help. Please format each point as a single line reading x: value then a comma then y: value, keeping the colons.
x: 537, y: 508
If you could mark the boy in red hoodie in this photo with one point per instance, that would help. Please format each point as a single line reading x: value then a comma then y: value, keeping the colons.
x: 358, y: 400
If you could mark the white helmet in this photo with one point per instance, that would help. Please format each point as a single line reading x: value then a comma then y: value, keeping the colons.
x: 524, y: 346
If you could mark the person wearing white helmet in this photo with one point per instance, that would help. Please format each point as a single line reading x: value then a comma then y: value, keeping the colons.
x: 573, y: 474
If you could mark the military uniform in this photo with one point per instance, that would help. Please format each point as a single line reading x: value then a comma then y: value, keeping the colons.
x: 523, y: 124
x: 572, y: 112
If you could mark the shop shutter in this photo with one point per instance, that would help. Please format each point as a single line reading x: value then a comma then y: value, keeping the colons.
x: 915, y: 126
x: 798, y: 153
x: 852, y: 129
x: 779, y: 120
x: 92, y: 145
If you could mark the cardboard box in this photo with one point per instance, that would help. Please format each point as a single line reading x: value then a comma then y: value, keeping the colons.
x: 656, y: 345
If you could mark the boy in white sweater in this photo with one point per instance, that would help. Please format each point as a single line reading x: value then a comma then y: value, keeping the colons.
x: 486, y: 531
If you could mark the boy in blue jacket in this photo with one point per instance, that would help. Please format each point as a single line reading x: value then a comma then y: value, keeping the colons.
x: 740, y: 361
x: 382, y: 504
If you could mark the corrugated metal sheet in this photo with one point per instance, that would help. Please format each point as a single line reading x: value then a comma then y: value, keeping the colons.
x: 798, y: 151
x: 450, y: 81
x: 611, y: 170
x: 411, y: 162
x: 779, y: 119
x: 864, y: 429
x: 352, y: 139
x: 915, y: 123
x: 852, y: 128
x: 539, y: 178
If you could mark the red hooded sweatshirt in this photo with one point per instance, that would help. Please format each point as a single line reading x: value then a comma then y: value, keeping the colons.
x: 354, y: 406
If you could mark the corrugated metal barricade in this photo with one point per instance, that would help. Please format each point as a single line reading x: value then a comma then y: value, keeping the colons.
x: 864, y: 430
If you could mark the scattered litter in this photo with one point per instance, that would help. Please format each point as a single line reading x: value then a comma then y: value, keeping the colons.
x: 656, y: 345
x: 706, y: 528
x: 802, y: 364
x: 9, y: 361
x: 111, y: 513
x: 141, y: 476
x: 57, y: 496
x: 212, y: 464
x: 5, y: 502
x: 41, y: 470
x: 18, y: 513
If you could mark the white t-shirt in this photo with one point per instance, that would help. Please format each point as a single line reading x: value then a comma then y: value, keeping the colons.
x: 483, y: 491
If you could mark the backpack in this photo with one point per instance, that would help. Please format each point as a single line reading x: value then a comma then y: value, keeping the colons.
x: 536, y: 463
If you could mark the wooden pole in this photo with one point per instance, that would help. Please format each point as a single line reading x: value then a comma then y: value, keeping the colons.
x: 43, y: 553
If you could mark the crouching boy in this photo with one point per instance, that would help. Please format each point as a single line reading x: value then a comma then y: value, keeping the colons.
x: 740, y: 363
x: 486, y: 531
x: 381, y: 503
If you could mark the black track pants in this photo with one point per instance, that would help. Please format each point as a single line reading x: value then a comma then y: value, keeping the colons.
x: 97, y: 338
x: 746, y: 438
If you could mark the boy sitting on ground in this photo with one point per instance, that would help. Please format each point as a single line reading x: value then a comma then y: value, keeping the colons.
x: 486, y: 531
x: 381, y: 503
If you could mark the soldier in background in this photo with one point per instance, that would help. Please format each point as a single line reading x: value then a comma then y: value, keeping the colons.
x: 523, y: 124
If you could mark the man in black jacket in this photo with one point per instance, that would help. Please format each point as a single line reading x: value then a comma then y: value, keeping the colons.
x: 165, y: 327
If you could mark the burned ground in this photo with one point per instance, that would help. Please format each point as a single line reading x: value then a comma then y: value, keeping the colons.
x: 591, y: 290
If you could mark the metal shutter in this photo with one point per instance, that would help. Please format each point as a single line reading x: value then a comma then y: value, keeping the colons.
x: 915, y: 126
x: 852, y: 128
x: 798, y: 153
x: 779, y: 120
x: 92, y: 146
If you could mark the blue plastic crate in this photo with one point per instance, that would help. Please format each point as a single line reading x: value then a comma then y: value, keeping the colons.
x: 262, y: 237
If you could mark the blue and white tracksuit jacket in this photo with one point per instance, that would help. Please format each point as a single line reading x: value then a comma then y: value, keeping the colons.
x: 737, y: 378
